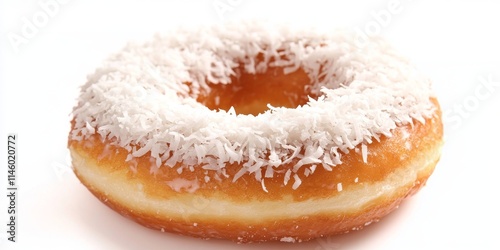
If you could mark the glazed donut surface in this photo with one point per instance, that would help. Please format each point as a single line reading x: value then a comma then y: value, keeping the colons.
x: 255, y: 133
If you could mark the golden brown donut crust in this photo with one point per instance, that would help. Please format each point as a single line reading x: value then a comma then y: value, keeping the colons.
x: 389, y: 160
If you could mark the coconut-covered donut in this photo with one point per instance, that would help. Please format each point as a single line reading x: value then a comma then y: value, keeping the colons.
x: 254, y: 133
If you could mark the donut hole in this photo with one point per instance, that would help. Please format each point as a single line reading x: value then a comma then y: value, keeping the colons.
x: 251, y: 93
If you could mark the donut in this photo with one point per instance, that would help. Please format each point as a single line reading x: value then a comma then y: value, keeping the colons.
x: 253, y: 132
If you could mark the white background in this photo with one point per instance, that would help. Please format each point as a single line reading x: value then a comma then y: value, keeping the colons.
x: 456, y: 44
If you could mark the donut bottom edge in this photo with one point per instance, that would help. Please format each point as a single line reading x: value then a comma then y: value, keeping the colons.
x: 282, y: 220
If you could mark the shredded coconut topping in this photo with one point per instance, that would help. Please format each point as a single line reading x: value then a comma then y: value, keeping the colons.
x: 339, y: 187
x: 288, y: 239
x: 140, y: 100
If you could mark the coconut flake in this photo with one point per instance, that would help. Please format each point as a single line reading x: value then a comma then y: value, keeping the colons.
x: 297, y: 182
x: 287, y: 239
x: 364, y: 153
x: 263, y: 186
